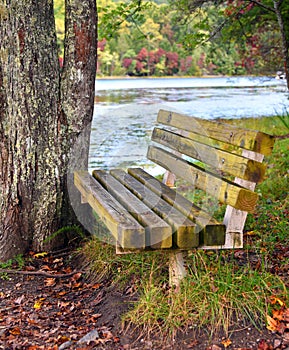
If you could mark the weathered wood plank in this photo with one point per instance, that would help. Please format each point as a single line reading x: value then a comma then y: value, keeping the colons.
x: 185, y: 231
x: 224, y: 190
x: 245, y: 138
x: 158, y: 232
x: 211, y: 232
x: 222, y: 161
x: 126, y: 230
x: 235, y: 219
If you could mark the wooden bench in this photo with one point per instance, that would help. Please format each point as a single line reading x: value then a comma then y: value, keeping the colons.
x: 219, y: 160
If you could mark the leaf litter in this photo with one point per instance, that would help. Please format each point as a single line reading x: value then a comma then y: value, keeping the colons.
x: 39, y: 312
x: 49, y: 305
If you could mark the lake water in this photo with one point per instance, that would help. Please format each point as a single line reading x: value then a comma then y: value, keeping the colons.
x: 126, y: 109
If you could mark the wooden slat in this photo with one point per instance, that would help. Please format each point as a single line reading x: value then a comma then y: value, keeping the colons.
x: 185, y: 231
x: 212, y: 232
x: 226, y: 191
x: 226, y: 162
x: 235, y: 219
x: 126, y: 230
x: 245, y: 138
x: 158, y: 232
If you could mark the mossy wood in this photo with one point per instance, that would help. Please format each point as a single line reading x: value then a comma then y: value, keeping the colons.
x: 158, y: 232
x: 225, y: 191
x: 244, y: 138
x: 126, y: 230
x: 220, y: 160
x: 212, y: 232
x: 185, y: 231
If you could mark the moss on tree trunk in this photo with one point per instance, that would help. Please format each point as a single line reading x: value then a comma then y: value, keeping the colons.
x: 42, y: 111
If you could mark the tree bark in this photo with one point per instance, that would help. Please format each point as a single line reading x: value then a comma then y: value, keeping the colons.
x: 285, y: 41
x: 42, y: 110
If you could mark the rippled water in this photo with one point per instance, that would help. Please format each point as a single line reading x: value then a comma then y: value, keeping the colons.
x: 126, y: 109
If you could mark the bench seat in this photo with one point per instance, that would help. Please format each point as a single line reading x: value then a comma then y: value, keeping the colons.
x: 142, y: 213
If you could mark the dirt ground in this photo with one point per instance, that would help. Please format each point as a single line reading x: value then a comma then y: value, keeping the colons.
x: 50, y: 305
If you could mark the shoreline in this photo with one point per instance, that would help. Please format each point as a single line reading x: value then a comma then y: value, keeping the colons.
x: 125, y: 77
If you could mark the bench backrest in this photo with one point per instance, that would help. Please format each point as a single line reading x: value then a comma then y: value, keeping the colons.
x: 223, y: 160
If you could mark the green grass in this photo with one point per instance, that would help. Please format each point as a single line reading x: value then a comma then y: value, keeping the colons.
x: 122, y: 269
x: 216, y: 294
x: 221, y: 291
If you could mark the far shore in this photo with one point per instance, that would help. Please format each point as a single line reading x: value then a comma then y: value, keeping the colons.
x: 120, y: 77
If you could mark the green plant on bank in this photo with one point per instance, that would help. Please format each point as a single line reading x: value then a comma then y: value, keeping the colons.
x: 284, y: 118
x: 17, y: 262
x: 220, y: 292
x: 7, y: 264
x: 73, y: 231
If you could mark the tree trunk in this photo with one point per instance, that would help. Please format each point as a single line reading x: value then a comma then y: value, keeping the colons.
x: 285, y: 41
x: 41, y: 114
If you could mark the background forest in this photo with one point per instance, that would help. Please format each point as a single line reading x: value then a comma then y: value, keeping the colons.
x: 160, y: 39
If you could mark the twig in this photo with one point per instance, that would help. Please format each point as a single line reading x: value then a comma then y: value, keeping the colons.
x: 40, y: 273
x: 282, y: 137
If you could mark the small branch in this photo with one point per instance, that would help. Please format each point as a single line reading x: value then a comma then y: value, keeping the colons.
x: 282, y: 137
x: 40, y: 273
x: 258, y: 3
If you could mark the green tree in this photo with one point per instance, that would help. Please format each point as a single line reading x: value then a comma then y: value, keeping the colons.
x: 244, y: 17
x: 43, y: 109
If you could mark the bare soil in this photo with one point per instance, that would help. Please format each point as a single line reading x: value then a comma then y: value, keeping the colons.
x: 49, y: 304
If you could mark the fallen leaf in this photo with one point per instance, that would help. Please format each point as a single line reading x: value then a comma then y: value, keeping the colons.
x: 76, y: 276
x: 116, y: 339
x: 38, y: 303
x: 263, y: 345
x: 63, y: 339
x: 64, y: 304
x: 214, y: 347
x: 227, y: 342
x: 67, y: 270
x: 278, y: 314
x: 251, y: 233
x: 15, y: 331
x: 94, y: 317
x: 40, y: 255
x: 275, y: 300
x: 62, y: 293
x: 107, y: 334
x: 29, y: 268
x: 49, y: 282
x: 32, y: 322
x: 272, y: 324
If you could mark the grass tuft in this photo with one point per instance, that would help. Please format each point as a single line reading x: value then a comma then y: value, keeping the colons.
x: 216, y: 295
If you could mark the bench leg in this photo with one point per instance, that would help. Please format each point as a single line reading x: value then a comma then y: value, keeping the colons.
x: 177, y: 269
